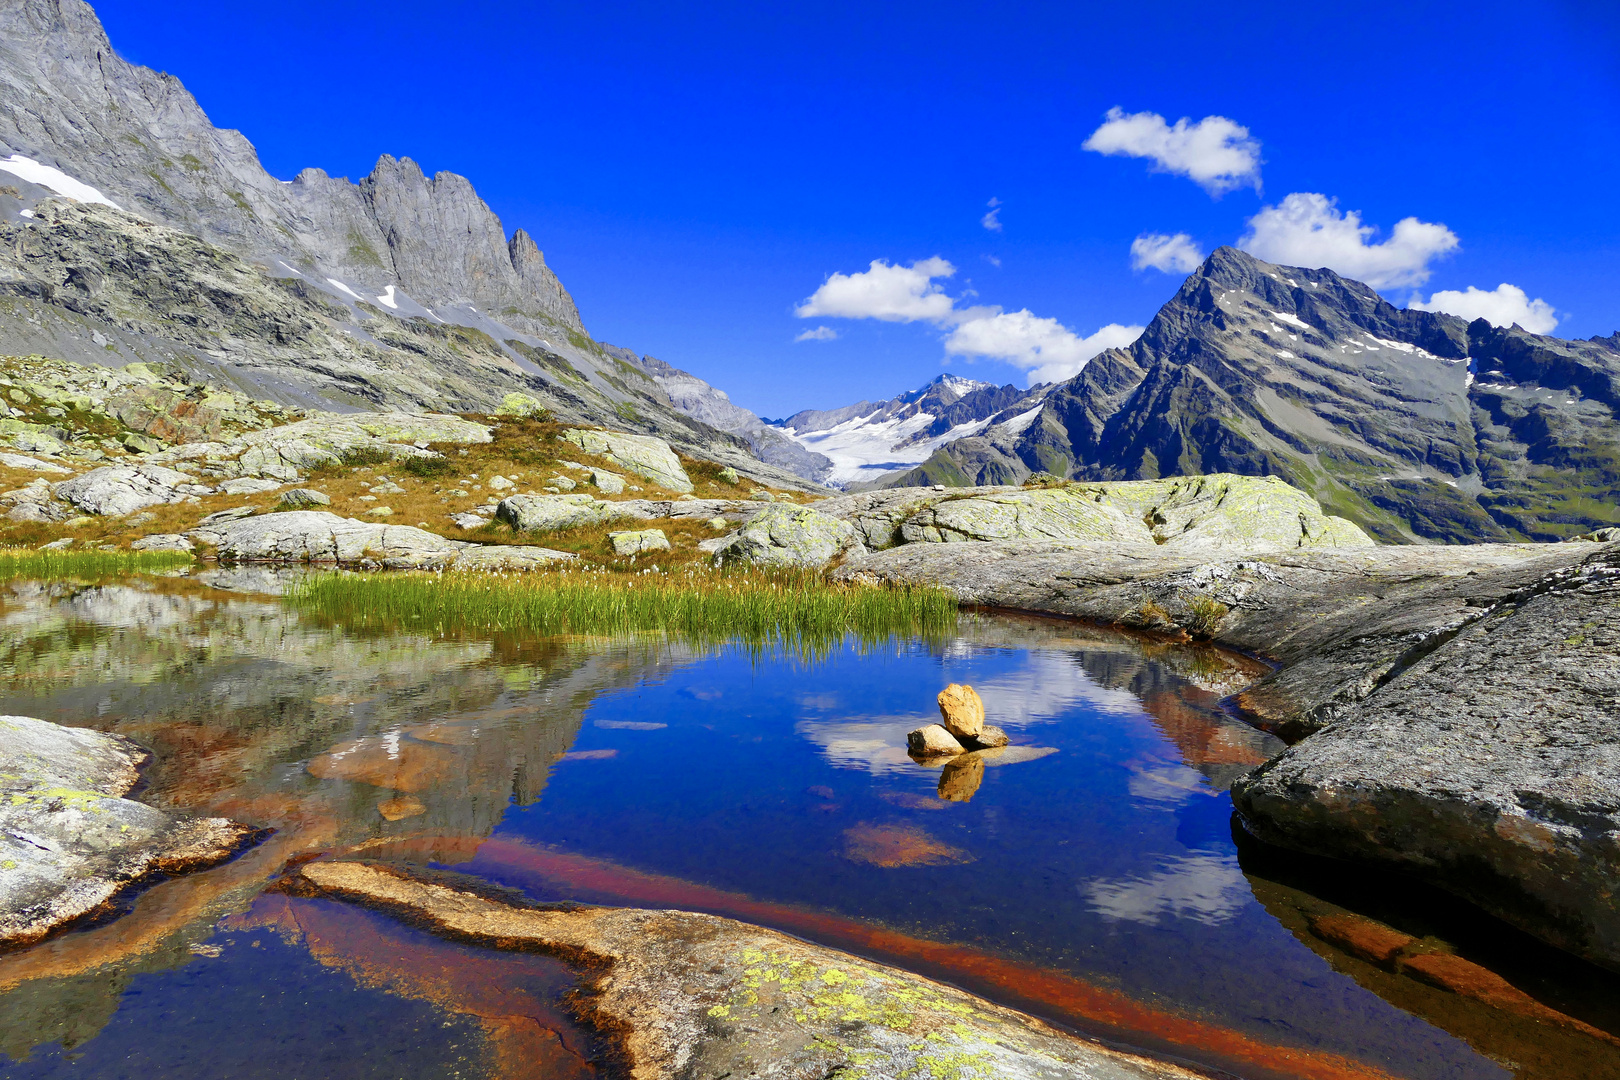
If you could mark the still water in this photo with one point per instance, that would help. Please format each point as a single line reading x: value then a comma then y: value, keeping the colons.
x: 1090, y: 873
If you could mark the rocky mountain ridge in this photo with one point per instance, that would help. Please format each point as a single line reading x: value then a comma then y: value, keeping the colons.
x: 1418, y: 426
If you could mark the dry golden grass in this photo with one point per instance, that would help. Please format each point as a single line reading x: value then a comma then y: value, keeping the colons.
x: 526, y: 451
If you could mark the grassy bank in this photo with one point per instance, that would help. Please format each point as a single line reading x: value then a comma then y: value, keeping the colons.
x: 800, y: 612
x: 35, y: 565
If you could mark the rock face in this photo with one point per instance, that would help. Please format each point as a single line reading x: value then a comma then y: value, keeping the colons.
x: 120, y: 489
x: 315, y: 536
x: 716, y: 997
x: 548, y: 513
x: 69, y: 843
x: 644, y: 456
x: 1491, y: 764
x: 1225, y: 511
x: 1413, y: 424
x: 788, y: 536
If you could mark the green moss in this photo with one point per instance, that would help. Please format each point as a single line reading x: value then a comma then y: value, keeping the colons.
x: 361, y: 253
x: 191, y: 162
x: 240, y: 200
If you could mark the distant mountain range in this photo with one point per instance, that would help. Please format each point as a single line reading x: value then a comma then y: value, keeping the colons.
x: 174, y: 246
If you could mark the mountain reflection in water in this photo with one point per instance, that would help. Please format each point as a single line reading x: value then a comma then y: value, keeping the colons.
x: 1088, y: 872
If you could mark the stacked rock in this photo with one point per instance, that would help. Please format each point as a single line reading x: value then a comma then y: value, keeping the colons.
x: 962, y: 727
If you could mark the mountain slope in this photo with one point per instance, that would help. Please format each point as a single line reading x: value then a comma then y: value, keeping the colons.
x: 870, y: 442
x: 1414, y: 424
x: 176, y: 247
x: 68, y: 100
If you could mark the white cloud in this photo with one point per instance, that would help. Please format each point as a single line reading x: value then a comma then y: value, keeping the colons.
x: 820, y: 333
x: 1045, y: 348
x: 1502, y: 306
x: 992, y: 220
x: 891, y: 293
x: 1172, y: 254
x: 1215, y: 152
x: 992, y: 260
x: 1310, y: 230
x: 1204, y: 887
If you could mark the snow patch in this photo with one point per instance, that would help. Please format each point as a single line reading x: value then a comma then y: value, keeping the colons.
x: 1286, y: 355
x: 336, y: 284
x: 55, y: 179
x: 1291, y: 320
x: 1020, y: 423
x: 387, y: 299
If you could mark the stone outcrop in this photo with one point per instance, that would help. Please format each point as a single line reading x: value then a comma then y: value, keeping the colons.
x: 1224, y: 511
x: 69, y: 842
x: 548, y: 513
x: 788, y: 536
x: 322, y: 538
x: 116, y: 490
x: 683, y: 995
x: 647, y: 457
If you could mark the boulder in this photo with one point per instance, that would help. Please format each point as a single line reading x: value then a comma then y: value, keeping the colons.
x: 304, y: 498
x: 638, y: 543
x: 546, y: 513
x: 520, y: 405
x: 34, y: 502
x: 163, y: 542
x: 605, y: 482
x: 314, y: 536
x: 961, y: 711
x: 69, y: 841
x: 933, y: 741
x: 469, y: 520
x: 784, y: 535
x: 116, y: 490
x: 728, y: 475
x: 561, y: 483
x: 641, y: 454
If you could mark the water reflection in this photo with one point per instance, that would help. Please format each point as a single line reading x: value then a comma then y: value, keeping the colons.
x: 1088, y: 871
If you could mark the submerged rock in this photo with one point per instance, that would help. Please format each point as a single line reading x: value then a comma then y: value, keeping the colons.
x: 687, y: 995
x: 641, y: 454
x: 784, y: 535
x: 69, y: 842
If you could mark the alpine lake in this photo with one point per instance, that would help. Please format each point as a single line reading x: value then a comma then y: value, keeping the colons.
x: 1091, y: 873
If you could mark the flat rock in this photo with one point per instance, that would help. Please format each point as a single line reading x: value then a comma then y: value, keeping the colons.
x: 69, y: 842
x: 163, y: 542
x: 641, y: 454
x: 248, y: 485
x: 22, y: 461
x: 548, y: 513
x: 116, y: 490
x: 689, y: 995
x: 320, y: 537
x: 784, y: 535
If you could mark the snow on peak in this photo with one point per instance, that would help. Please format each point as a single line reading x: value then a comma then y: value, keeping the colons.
x: 58, y: 181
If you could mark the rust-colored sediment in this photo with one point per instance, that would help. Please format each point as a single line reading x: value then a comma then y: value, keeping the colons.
x: 505, y: 993
x: 1055, y: 995
x: 898, y: 845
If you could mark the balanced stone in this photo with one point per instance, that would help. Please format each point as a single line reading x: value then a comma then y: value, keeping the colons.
x: 962, y: 711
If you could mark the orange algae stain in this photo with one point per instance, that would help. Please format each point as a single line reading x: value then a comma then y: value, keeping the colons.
x: 1054, y: 995
x: 505, y: 992
x: 898, y: 845
x: 395, y: 761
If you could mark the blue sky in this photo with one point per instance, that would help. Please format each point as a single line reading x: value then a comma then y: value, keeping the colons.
x: 695, y: 172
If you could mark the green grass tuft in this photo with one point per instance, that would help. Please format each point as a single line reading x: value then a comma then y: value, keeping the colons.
x: 803, y: 613
x: 34, y: 565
